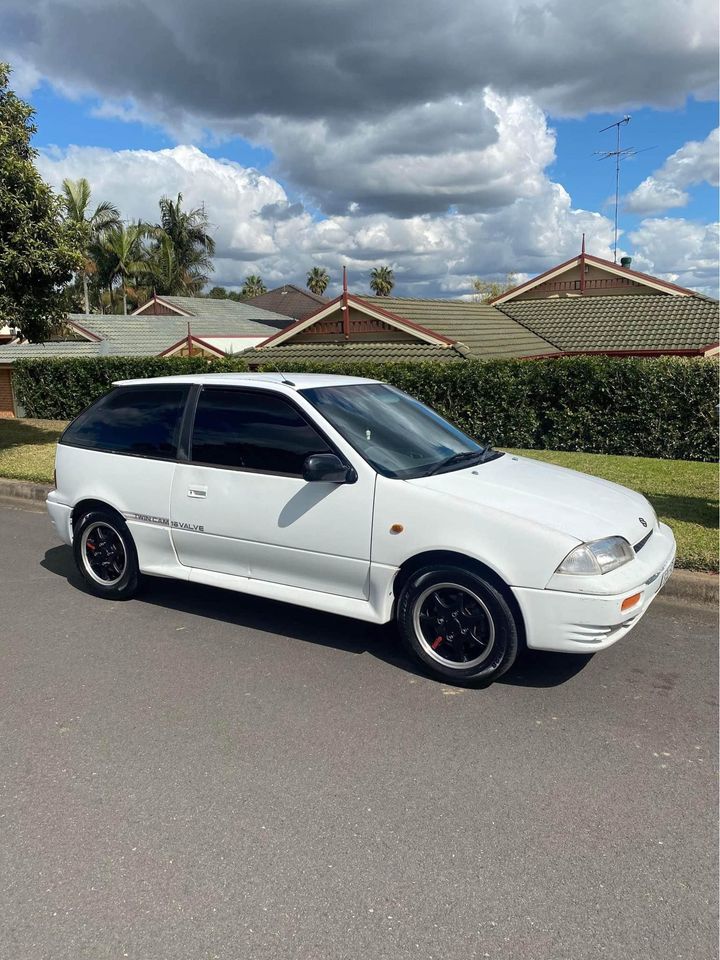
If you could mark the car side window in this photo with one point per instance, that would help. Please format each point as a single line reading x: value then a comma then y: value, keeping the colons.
x: 252, y: 430
x: 140, y: 421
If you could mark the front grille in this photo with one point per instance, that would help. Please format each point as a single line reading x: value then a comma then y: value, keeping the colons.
x: 641, y: 543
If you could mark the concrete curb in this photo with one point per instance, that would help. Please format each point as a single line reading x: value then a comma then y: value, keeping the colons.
x: 682, y: 585
x: 22, y: 490
x: 694, y: 586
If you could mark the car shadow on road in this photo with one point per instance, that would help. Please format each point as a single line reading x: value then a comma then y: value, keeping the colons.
x: 533, y: 669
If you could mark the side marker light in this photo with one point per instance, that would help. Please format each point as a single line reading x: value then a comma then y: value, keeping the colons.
x: 630, y: 601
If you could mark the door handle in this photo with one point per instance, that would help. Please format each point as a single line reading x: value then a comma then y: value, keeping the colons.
x: 197, y: 493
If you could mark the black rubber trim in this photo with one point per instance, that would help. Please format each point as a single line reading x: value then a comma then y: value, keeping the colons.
x: 186, y: 423
x: 641, y: 543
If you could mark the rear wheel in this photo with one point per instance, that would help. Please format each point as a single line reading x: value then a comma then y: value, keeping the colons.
x: 105, y: 555
x: 457, y: 625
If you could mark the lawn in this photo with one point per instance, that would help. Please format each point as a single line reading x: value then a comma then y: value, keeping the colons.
x: 27, y: 449
x: 684, y: 494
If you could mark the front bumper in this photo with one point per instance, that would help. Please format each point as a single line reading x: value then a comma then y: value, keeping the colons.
x: 60, y: 516
x: 583, y: 622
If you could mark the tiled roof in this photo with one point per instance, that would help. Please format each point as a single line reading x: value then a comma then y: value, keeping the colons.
x: 378, y: 351
x: 290, y: 300
x: 59, y: 348
x: 220, y: 310
x: 484, y: 330
x: 149, y: 335
x: 627, y: 323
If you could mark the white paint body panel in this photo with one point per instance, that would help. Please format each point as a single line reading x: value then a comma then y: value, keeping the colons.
x: 330, y: 547
x: 275, y: 528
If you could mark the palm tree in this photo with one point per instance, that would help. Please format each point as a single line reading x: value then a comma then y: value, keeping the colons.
x: 253, y: 286
x: 193, y: 247
x: 76, y: 202
x: 125, y: 256
x: 161, y: 271
x: 382, y: 281
x: 318, y: 280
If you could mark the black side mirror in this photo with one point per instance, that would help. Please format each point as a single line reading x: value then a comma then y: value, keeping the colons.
x: 327, y: 467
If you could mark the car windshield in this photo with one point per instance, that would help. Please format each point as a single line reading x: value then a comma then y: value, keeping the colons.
x: 396, y: 434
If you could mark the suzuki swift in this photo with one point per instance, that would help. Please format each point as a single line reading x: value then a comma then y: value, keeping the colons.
x: 348, y: 496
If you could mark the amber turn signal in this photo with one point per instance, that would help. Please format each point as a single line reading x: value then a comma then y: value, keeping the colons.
x: 397, y: 528
x: 630, y: 601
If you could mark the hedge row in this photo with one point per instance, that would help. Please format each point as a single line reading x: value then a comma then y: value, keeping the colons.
x: 660, y: 407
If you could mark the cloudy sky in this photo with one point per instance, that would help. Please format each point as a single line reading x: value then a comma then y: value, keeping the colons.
x: 447, y: 140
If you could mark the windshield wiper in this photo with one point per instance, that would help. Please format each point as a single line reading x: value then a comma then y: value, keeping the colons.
x: 456, y: 458
x: 489, y: 453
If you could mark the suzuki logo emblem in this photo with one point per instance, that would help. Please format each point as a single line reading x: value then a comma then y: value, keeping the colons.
x: 643, y: 521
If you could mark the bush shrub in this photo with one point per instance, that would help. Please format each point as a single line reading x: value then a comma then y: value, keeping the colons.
x: 660, y: 407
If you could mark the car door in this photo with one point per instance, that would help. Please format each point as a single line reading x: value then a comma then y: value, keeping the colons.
x: 240, y: 505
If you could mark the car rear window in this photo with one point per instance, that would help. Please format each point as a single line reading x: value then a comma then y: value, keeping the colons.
x: 136, y: 421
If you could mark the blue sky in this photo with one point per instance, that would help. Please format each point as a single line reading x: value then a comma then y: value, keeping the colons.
x: 63, y: 121
x: 456, y: 142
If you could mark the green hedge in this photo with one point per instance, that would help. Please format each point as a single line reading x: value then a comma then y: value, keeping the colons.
x: 660, y: 407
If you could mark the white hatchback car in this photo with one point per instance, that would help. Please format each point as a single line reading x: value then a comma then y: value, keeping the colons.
x: 348, y: 496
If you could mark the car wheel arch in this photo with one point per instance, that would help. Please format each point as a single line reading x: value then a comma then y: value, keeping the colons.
x: 435, y: 558
x: 91, y: 503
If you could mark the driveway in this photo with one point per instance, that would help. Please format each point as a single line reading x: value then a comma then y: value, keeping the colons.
x: 196, y: 774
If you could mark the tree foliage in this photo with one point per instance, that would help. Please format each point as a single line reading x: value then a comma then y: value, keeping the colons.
x: 382, y: 280
x: 39, y: 252
x: 253, y: 286
x: 318, y: 280
x: 487, y: 290
x: 91, y: 227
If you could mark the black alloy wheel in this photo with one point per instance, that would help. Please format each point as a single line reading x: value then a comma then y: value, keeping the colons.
x: 105, y: 554
x: 458, y: 625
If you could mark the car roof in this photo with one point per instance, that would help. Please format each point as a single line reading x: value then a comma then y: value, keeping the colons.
x: 280, y: 381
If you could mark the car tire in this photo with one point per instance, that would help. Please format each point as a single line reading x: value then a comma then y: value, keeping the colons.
x: 105, y: 555
x: 457, y: 625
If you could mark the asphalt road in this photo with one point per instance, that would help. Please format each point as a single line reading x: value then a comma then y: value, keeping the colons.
x: 195, y: 774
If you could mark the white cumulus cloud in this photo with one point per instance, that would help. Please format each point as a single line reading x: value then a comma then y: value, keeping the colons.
x: 666, y: 188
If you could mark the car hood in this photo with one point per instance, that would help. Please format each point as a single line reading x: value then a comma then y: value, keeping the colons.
x: 573, y: 503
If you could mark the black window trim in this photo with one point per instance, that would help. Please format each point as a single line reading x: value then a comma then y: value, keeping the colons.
x: 184, y: 387
x: 189, y: 424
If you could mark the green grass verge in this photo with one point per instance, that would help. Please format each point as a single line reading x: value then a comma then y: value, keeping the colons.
x: 27, y: 449
x: 684, y: 494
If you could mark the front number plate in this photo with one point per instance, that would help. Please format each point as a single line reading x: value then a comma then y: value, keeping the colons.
x: 666, y: 574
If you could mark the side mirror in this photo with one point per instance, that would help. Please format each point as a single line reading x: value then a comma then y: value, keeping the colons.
x: 327, y: 467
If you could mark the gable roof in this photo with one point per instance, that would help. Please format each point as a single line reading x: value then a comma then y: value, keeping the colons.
x: 152, y: 334
x: 641, y: 279
x: 627, y: 324
x: 290, y: 300
x: 372, y: 310
x: 428, y: 330
x: 481, y: 328
x: 209, y: 308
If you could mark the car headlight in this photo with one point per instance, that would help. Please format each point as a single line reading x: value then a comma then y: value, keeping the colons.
x: 600, y: 556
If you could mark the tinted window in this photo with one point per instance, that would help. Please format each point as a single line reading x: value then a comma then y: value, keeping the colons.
x: 257, y: 431
x: 144, y: 421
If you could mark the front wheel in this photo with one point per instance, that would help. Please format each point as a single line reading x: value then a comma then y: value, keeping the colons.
x: 105, y: 555
x: 457, y: 625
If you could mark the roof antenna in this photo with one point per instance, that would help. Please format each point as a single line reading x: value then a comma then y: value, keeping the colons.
x: 620, y: 154
x: 283, y: 378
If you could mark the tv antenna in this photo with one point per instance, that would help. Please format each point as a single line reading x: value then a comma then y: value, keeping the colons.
x: 620, y: 154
